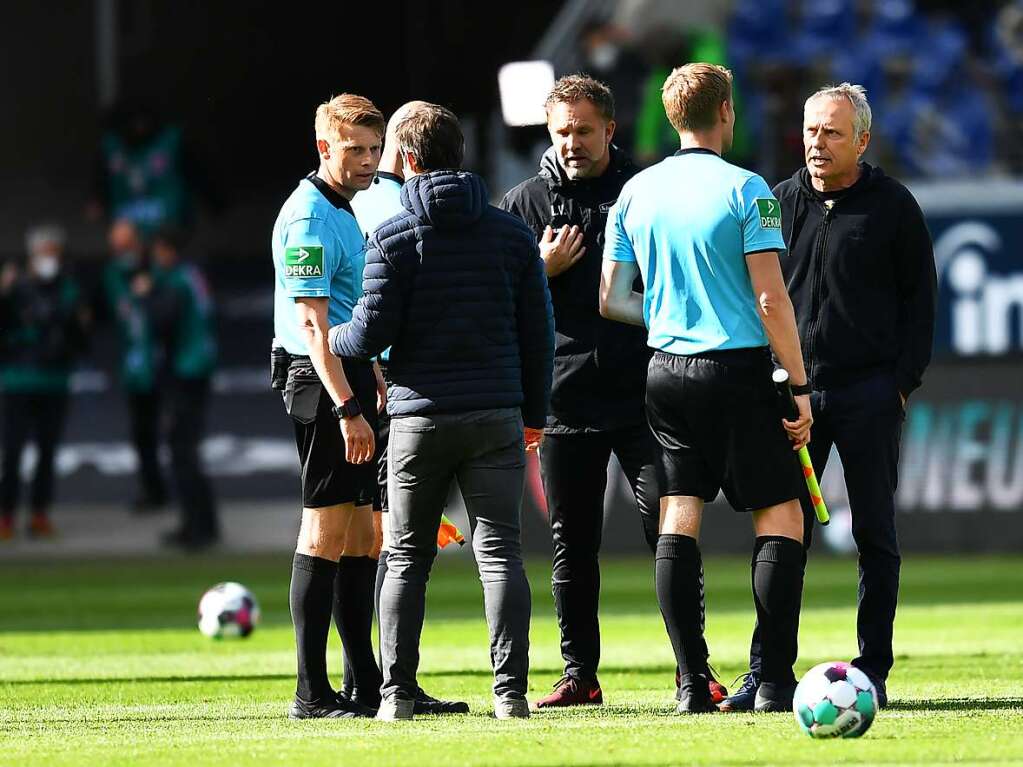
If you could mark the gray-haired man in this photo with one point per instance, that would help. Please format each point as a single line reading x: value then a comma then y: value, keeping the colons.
x: 860, y: 273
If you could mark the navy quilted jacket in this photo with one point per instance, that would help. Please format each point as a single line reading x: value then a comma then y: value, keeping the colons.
x: 456, y: 288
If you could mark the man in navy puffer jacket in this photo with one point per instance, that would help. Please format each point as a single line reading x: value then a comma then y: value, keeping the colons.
x: 457, y: 289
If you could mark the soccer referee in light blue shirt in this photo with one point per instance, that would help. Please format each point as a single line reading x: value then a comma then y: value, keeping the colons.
x: 318, y: 255
x: 705, y: 237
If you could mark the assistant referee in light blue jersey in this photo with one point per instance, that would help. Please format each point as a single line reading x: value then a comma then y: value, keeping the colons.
x: 318, y: 256
x: 705, y: 236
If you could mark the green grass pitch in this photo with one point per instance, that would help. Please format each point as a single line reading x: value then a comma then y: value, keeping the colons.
x: 101, y: 664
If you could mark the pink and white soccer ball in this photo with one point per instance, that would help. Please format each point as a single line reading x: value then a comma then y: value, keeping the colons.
x: 228, y: 610
x: 835, y: 700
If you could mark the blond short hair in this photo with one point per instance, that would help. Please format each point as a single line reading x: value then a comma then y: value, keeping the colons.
x: 693, y: 93
x: 346, y: 109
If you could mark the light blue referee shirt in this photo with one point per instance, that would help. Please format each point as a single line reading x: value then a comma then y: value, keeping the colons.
x: 378, y: 203
x: 689, y: 222
x: 318, y: 251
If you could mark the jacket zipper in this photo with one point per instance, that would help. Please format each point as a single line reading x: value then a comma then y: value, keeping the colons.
x: 817, y: 295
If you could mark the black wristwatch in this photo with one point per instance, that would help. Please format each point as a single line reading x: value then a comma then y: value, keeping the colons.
x: 347, y: 409
x: 798, y: 391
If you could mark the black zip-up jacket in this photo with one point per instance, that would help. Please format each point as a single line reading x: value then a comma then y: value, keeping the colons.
x: 861, y: 278
x: 599, y: 365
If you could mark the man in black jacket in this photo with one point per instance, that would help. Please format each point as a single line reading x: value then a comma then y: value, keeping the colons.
x: 456, y: 288
x: 861, y: 276
x: 597, y: 401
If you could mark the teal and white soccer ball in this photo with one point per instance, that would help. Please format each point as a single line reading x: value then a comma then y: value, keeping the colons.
x: 228, y: 610
x: 835, y: 700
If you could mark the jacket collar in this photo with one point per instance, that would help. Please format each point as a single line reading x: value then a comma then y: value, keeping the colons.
x: 869, y: 175
x: 552, y: 172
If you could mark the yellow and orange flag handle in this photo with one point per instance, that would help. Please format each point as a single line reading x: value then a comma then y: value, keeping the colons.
x: 448, y: 532
x: 791, y: 412
x: 819, y: 507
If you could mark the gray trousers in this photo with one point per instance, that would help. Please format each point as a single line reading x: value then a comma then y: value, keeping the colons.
x: 483, y: 450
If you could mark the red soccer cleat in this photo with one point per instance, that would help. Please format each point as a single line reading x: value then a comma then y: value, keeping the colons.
x: 718, y: 692
x: 570, y: 691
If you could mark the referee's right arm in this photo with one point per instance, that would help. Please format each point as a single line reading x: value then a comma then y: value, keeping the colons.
x: 779, y: 319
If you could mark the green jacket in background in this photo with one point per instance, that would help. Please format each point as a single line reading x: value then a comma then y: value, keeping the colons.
x: 655, y: 137
x: 183, y: 315
x: 146, y: 184
x: 134, y: 328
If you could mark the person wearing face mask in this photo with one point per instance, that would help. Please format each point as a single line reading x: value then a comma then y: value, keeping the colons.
x: 43, y: 323
x: 124, y: 279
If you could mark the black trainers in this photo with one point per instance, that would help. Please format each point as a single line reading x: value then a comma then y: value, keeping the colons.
x: 744, y: 698
x: 693, y: 695
x: 427, y: 704
x: 300, y: 709
x: 773, y: 698
x: 349, y: 700
x: 879, y: 685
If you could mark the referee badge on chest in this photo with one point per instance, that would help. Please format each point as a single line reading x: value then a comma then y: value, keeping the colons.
x: 304, y: 261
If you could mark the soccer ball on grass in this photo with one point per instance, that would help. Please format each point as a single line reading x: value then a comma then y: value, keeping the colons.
x: 835, y: 700
x: 228, y: 610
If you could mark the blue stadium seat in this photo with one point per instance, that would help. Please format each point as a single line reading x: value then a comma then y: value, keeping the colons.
x: 895, y: 29
x: 825, y: 26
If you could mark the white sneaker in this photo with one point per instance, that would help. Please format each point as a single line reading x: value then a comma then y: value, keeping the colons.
x: 395, y: 710
x: 511, y: 708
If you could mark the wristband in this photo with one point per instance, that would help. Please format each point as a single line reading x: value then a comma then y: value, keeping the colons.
x: 800, y: 390
x: 348, y: 409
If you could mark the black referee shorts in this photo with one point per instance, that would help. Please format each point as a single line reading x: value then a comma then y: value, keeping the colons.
x: 327, y: 477
x: 717, y: 419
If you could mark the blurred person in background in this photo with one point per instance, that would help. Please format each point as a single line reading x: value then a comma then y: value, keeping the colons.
x: 43, y: 324
x: 597, y: 399
x: 372, y: 207
x: 607, y: 54
x: 125, y: 280
x: 147, y: 173
x: 181, y: 312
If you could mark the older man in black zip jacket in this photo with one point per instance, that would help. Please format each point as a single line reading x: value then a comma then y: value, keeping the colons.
x: 860, y: 272
x: 599, y: 388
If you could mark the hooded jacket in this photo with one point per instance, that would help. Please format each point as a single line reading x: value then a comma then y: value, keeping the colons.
x: 861, y: 277
x: 599, y: 365
x: 456, y: 288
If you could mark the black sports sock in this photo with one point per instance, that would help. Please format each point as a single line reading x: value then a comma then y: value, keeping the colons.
x: 678, y: 582
x: 312, y: 589
x: 353, y: 616
x: 777, y: 571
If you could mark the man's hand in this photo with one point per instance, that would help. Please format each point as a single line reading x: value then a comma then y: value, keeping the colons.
x: 799, y: 430
x: 561, y: 252
x: 533, y: 438
x: 359, y: 445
